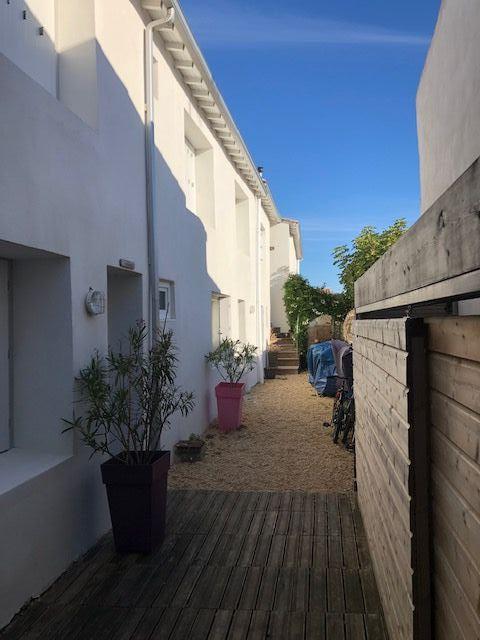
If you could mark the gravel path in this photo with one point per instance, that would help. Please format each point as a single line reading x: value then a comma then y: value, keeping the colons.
x: 283, y: 445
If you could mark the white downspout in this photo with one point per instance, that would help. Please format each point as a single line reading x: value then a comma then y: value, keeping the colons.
x: 260, y: 373
x: 151, y: 178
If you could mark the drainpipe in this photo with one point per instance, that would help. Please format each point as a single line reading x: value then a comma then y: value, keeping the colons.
x: 260, y: 376
x: 151, y: 177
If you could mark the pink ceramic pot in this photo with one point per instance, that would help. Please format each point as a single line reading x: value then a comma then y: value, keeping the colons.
x: 229, y: 404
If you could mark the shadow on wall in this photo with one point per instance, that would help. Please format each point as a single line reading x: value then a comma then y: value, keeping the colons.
x: 82, y: 197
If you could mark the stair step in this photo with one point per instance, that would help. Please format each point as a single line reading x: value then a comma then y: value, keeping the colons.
x: 287, y: 370
x: 288, y: 362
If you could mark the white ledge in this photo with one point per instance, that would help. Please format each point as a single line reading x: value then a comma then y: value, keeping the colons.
x: 18, y: 466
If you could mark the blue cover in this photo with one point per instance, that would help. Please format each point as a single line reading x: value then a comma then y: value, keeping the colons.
x: 321, y: 368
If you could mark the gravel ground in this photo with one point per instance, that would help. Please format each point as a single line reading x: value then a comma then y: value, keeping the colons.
x: 281, y: 446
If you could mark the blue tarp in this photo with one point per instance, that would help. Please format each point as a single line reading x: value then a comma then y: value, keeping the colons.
x: 321, y: 368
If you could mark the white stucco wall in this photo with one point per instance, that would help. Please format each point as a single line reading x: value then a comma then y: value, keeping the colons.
x: 448, y: 100
x: 283, y: 262
x: 72, y: 197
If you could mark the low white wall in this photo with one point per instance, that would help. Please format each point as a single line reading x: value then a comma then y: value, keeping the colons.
x: 448, y: 100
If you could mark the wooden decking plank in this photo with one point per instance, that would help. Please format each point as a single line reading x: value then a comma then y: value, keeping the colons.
x: 308, y: 523
x: 49, y: 624
x: 167, y: 622
x: 263, y: 500
x: 234, y: 588
x: 334, y: 526
x: 147, y: 624
x: 334, y: 627
x: 298, y: 502
x: 292, y: 549
x: 315, y: 625
x: 336, y: 598
x: 262, y: 550
x: 277, y: 549
x: 250, y: 589
x: 266, y: 592
x: 131, y: 621
x: 370, y: 591
x: 239, y: 625
x: 286, y: 498
x: 274, y: 502
x: 296, y: 522
x: 258, y: 625
x: 186, y: 586
x: 305, y: 551
x: 320, y: 523
x: 363, y: 551
x: 350, y: 555
x: 210, y: 587
x: 202, y: 625
x: 335, y: 551
x: 300, y: 591
x: 220, y: 625
x: 354, y: 626
x: 318, y: 590
x: 374, y: 627
x: 247, y: 552
x: 127, y: 591
x: 296, y: 625
x: 183, y: 624
x: 268, y: 528
x: 282, y: 523
x: 100, y: 624
x: 256, y: 523
x: 284, y: 589
x: 320, y: 555
x: 320, y: 502
x: 226, y: 551
x: 347, y: 525
x: 353, y: 592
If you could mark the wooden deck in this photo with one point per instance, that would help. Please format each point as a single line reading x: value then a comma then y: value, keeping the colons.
x: 234, y: 565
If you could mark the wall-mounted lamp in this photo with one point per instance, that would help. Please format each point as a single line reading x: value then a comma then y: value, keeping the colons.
x: 127, y: 264
x: 95, y: 302
x: 41, y: 31
x: 24, y: 14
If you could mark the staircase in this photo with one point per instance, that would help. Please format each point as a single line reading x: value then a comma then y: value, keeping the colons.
x: 287, y: 354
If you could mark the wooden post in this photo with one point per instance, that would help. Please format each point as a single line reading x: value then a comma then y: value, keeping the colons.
x: 418, y: 418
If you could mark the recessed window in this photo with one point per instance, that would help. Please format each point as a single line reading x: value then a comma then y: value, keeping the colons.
x: 190, y: 177
x: 166, y: 300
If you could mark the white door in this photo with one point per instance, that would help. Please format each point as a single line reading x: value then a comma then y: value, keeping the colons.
x: 4, y: 361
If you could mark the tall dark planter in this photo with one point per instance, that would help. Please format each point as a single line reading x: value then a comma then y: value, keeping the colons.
x: 137, y: 497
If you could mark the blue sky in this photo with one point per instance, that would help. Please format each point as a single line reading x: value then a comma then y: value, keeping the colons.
x: 324, y: 95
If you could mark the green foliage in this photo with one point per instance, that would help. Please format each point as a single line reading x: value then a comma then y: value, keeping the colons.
x: 129, y: 398
x: 363, y: 252
x: 303, y: 303
x: 232, y: 359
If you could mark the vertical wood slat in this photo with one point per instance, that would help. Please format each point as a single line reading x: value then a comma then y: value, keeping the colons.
x: 454, y: 360
x: 390, y: 365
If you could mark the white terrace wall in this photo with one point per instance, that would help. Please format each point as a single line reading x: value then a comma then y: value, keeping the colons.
x: 448, y: 98
x: 72, y: 204
x: 283, y: 262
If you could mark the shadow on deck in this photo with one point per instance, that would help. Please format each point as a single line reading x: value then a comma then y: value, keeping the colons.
x: 234, y: 565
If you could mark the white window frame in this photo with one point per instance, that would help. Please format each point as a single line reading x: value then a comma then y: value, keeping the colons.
x: 167, y: 287
x: 190, y: 176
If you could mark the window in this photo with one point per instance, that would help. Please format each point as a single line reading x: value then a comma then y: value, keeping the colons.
x: 242, y: 220
x: 190, y: 177
x: 242, y: 321
x: 166, y: 300
x: 199, y: 175
x: 220, y: 318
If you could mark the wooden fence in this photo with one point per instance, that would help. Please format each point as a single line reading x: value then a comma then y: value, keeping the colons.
x: 389, y: 355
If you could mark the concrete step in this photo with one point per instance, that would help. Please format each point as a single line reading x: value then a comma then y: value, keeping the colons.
x: 287, y: 371
x: 288, y: 362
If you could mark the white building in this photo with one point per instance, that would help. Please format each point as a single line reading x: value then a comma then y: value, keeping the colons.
x: 285, y: 257
x: 74, y: 196
x: 448, y: 100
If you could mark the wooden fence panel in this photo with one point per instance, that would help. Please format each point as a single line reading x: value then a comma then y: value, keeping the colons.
x: 454, y: 363
x: 391, y: 445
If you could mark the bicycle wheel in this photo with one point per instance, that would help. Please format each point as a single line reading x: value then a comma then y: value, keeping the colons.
x: 338, y: 423
x: 349, y: 424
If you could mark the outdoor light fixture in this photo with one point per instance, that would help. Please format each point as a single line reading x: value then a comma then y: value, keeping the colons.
x: 127, y: 264
x: 95, y: 302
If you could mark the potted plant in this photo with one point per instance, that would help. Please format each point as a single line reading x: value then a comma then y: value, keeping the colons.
x: 190, y: 450
x: 232, y: 359
x: 128, y: 398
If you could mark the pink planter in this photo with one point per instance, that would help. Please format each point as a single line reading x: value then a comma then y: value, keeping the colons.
x: 229, y: 405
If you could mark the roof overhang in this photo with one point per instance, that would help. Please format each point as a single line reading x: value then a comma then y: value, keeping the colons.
x: 190, y: 63
x: 294, y: 229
